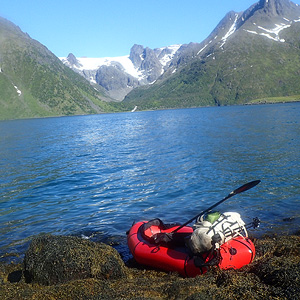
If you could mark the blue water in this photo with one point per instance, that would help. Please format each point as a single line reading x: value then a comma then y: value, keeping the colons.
x: 92, y: 176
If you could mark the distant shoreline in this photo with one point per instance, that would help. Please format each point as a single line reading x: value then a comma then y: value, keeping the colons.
x: 261, y: 101
x: 275, y: 100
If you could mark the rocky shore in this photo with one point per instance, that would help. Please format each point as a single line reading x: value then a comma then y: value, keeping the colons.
x: 57, y: 267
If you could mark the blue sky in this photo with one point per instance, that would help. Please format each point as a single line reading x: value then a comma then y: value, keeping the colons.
x: 109, y: 28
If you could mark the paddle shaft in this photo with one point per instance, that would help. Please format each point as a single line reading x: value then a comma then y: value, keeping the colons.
x: 241, y: 189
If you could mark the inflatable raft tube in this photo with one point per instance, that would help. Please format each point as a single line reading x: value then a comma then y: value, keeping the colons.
x: 234, y: 254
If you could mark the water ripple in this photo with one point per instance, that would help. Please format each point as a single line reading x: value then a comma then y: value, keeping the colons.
x: 94, y: 175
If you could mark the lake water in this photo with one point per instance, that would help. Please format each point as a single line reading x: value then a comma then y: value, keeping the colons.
x: 92, y: 176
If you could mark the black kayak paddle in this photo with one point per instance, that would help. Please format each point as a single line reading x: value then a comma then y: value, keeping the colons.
x: 241, y: 189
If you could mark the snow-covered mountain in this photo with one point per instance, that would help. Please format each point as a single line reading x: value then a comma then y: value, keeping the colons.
x: 250, y: 54
x: 267, y: 19
x: 253, y: 54
x: 119, y: 75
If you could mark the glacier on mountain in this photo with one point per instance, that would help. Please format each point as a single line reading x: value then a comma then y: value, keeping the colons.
x: 145, y: 66
x: 93, y: 64
x: 119, y: 75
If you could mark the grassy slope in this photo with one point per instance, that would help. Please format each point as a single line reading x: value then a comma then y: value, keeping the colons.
x: 295, y: 98
x: 48, y: 87
x: 248, y: 68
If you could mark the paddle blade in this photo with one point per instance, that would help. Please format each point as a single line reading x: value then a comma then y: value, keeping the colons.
x: 245, y: 187
x: 241, y: 189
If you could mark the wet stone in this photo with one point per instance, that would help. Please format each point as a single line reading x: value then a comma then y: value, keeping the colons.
x: 59, y: 259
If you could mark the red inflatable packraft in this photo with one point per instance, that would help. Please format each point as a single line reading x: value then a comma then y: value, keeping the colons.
x: 234, y: 254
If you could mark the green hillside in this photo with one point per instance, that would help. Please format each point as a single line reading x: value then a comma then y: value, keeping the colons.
x: 250, y: 55
x: 247, y: 69
x: 34, y: 82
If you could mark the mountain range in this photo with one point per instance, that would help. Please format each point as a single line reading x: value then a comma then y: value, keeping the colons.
x: 254, y: 54
x: 120, y: 75
x: 250, y: 55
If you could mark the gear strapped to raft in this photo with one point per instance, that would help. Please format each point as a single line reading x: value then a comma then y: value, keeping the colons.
x: 209, y: 232
x: 177, y: 239
x: 214, y: 229
x: 164, y: 238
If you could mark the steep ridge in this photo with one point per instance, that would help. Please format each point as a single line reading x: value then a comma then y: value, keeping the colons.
x: 249, y: 55
x: 34, y: 82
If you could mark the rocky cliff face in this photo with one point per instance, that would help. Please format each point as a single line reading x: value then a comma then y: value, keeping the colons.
x: 115, y: 81
x: 135, y: 56
x: 147, y: 61
x: 277, y: 8
x: 118, y: 76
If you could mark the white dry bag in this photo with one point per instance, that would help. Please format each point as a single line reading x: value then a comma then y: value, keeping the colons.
x: 208, y: 235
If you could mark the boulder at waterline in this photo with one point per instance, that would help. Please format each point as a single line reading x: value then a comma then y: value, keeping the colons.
x: 59, y: 259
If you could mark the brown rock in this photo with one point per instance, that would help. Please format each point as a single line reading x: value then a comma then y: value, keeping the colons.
x: 59, y: 259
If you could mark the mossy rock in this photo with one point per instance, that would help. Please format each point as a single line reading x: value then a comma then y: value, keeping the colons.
x: 59, y: 259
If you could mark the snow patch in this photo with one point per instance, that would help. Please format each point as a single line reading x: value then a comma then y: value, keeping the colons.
x: 276, y: 30
x: 231, y: 31
x: 168, y: 57
x: 203, y: 48
x: 18, y: 91
x: 251, y: 31
x: 272, y: 34
x: 93, y: 64
x: 272, y: 38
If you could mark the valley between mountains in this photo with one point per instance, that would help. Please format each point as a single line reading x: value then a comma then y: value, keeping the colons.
x: 251, y: 56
